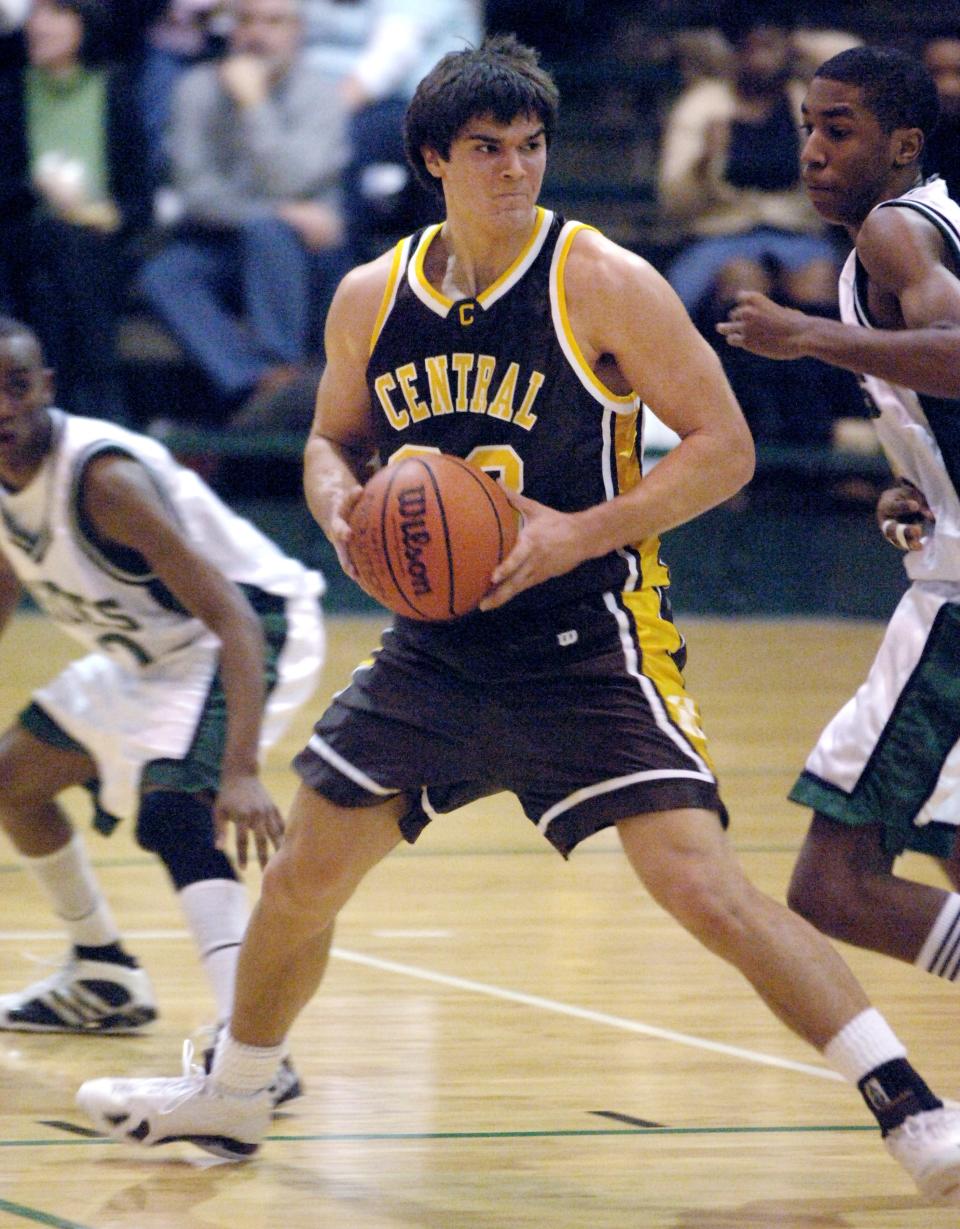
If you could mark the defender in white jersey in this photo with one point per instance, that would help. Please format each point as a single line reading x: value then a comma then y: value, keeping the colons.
x: 202, y: 639
x: 568, y: 701
x: 885, y: 774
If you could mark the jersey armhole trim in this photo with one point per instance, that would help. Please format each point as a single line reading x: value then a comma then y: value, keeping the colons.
x: 390, y: 290
x: 620, y: 403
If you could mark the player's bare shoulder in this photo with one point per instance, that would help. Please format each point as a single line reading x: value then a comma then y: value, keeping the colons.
x: 597, y: 267
x: 608, y: 287
x: 358, y: 301
x: 897, y: 245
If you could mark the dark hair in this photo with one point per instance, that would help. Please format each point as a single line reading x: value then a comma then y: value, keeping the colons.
x: 736, y: 23
x: 896, y: 87
x: 502, y: 78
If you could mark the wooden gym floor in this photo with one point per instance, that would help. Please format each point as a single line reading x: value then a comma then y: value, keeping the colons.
x: 503, y: 1041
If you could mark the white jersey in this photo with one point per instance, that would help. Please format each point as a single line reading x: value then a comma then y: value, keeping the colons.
x: 139, y: 694
x: 107, y: 600
x: 919, y: 434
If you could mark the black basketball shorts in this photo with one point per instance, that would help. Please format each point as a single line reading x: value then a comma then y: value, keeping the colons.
x: 583, y: 715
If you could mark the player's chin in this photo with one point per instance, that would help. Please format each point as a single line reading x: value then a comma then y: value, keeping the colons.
x: 826, y: 205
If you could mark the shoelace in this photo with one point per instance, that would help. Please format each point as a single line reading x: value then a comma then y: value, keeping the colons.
x: 61, y: 965
x: 186, y: 1086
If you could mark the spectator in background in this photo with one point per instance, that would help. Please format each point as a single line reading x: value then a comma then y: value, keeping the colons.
x: 941, y: 58
x: 729, y: 175
x: 91, y: 196
x: 257, y: 149
x: 378, y: 50
x: 185, y: 33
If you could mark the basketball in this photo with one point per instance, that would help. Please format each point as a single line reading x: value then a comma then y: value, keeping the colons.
x: 427, y: 533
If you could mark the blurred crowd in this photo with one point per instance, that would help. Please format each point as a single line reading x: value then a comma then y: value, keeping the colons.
x: 217, y: 165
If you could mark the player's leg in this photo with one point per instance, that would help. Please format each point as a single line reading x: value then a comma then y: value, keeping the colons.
x: 325, y: 854
x: 884, y: 778
x: 100, y: 988
x: 178, y: 827
x: 843, y: 884
x: 685, y: 861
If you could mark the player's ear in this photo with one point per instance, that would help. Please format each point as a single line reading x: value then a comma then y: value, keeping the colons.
x: 431, y: 160
x: 48, y: 382
x: 908, y: 146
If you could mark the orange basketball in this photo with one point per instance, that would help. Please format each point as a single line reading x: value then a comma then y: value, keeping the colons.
x: 427, y: 533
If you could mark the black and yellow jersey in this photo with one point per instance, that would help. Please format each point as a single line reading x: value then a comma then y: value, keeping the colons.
x: 500, y: 380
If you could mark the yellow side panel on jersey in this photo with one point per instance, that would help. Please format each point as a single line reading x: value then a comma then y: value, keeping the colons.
x: 653, y: 572
x: 659, y: 639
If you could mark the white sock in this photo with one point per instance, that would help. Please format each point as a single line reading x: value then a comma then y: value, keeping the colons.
x: 863, y: 1044
x: 217, y: 912
x: 68, y: 880
x: 243, y: 1070
x: 940, y: 953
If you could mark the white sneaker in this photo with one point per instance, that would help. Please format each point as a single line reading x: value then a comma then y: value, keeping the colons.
x: 189, y: 1109
x: 927, y: 1145
x: 84, y: 996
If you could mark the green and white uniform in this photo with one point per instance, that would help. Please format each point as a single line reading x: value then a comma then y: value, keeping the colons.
x: 148, y: 689
x: 891, y: 755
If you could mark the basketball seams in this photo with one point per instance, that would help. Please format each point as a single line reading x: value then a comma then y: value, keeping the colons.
x: 447, y: 542
x: 385, y: 507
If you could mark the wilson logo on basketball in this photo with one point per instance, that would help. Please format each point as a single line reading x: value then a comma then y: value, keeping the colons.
x: 412, y: 505
x: 426, y: 534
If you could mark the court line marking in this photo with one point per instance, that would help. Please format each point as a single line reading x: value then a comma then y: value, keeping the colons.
x: 581, y: 1013
x: 554, y: 1133
x: 38, y: 1217
x: 511, y: 996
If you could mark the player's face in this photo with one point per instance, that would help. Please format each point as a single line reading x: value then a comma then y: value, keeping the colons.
x: 847, y: 158
x: 26, y: 388
x: 494, y: 171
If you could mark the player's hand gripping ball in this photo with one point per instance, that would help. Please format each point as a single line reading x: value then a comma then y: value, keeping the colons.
x: 427, y: 533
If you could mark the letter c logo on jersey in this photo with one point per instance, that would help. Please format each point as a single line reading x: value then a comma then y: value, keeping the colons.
x: 466, y: 312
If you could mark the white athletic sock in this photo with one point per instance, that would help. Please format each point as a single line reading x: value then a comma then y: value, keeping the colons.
x: 243, y: 1070
x: 863, y: 1044
x: 217, y: 912
x: 68, y: 880
x: 940, y: 953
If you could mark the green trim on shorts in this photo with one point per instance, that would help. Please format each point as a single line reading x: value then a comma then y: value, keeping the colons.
x: 933, y: 838
x: 199, y: 770
x: 38, y: 722
x: 903, y: 770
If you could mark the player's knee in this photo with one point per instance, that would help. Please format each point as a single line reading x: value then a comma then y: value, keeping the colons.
x: 21, y: 793
x: 711, y: 906
x: 307, y: 892
x: 179, y: 829
x: 815, y: 894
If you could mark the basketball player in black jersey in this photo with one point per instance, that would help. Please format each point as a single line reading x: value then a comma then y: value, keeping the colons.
x: 528, y: 345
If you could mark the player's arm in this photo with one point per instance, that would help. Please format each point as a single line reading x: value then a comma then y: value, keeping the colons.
x: 629, y: 324
x: 341, y: 445
x: 123, y: 506
x: 904, y: 257
x: 10, y: 591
